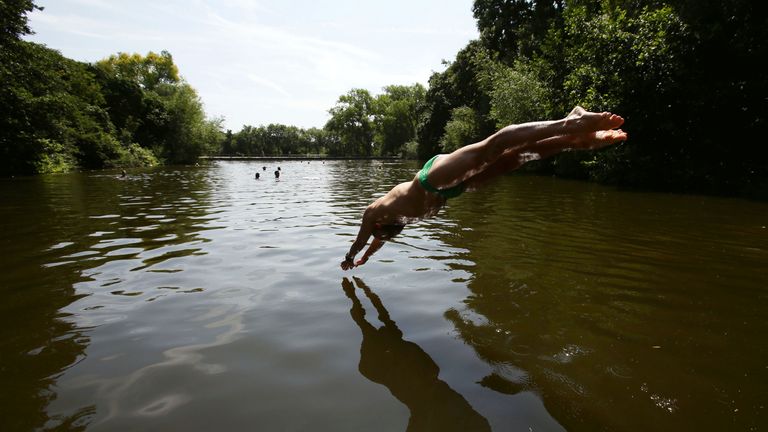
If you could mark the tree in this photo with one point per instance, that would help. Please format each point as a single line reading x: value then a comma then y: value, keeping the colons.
x: 513, y: 28
x: 228, y: 145
x: 459, y: 85
x: 397, y: 113
x: 321, y: 141
x: 152, y: 106
x: 187, y: 134
x: 148, y: 72
x: 352, y: 121
x: 124, y: 101
x: 13, y: 21
x: 631, y: 62
x: 52, y: 117
x: 460, y: 130
x: 517, y: 93
x: 57, y: 114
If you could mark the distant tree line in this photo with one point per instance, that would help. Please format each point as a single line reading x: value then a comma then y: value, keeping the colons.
x: 686, y: 75
x: 361, y: 124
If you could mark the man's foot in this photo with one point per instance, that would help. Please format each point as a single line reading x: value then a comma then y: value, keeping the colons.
x: 598, y: 139
x: 580, y: 120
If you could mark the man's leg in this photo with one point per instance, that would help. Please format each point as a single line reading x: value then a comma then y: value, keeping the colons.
x: 543, y: 149
x: 468, y: 161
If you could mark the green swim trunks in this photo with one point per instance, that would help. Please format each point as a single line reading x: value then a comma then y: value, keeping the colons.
x: 451, y: 192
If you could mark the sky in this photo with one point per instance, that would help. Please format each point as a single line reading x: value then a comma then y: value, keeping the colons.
x: 260, y: 62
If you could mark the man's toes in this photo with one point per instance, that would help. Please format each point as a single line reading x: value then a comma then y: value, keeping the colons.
x: 614, y: 121
x: 617, y: 135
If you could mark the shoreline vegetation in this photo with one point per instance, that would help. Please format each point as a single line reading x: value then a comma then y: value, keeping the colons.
x: 696, y: 126
x: 299, y: 157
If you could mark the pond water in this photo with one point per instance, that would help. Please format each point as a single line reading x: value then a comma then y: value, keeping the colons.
x: 202, y: 299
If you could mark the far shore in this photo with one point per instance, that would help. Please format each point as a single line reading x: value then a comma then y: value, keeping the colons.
x: 299, y: 157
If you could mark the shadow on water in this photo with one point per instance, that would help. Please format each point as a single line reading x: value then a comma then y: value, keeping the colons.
x: 408, y: 372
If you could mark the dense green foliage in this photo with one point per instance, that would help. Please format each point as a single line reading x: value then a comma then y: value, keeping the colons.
x: 685, y: 74
x: 13, y: 20
x: 58, y: 114
x: 457, y: 86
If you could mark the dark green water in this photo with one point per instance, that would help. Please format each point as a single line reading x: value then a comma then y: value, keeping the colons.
x: 201, y: 299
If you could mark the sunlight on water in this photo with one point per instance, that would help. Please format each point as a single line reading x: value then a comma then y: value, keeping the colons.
x: 203, y: 298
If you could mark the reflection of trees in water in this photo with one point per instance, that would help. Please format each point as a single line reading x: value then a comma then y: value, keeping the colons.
x: 524, y: 360
x: 408, y: 372
x: 49, y: 235
x: 586, y: 297
x: 37, y: 347
x: 526, y: 313
x: 37, y: 342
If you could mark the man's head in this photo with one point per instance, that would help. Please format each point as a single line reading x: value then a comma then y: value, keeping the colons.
x: 386, y: 231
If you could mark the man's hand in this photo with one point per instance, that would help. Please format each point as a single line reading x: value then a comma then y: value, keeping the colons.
x: 362, y: 261
x: 347, y: 264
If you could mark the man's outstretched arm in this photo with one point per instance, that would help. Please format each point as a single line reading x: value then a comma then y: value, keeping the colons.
x: 366, y: 228
x: 376, y: 244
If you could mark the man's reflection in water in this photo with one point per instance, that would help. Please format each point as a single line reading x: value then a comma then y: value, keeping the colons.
x: 408, y: 372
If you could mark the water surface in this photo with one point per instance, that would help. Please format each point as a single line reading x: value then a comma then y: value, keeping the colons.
x: 203, y: 299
